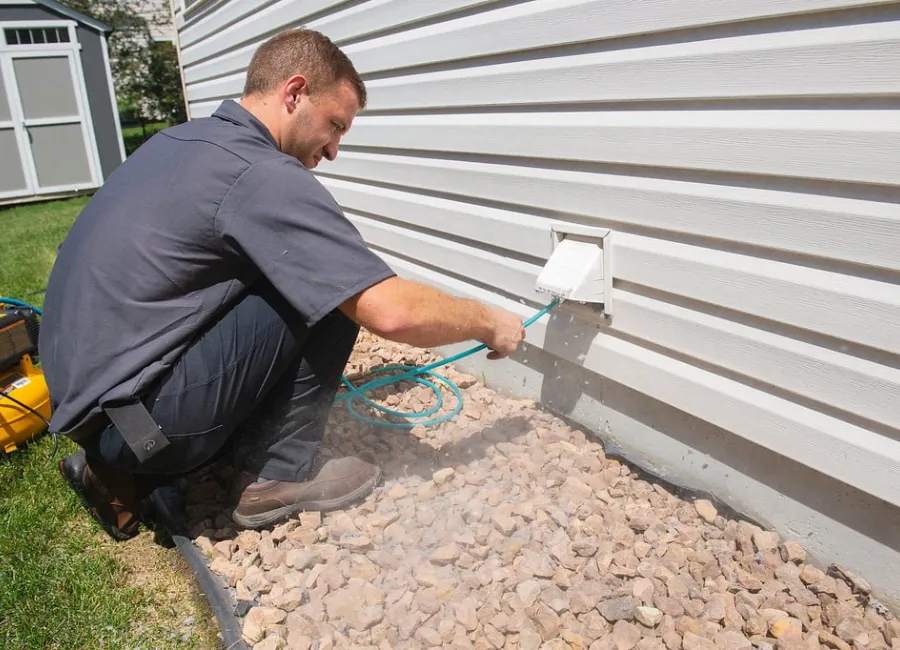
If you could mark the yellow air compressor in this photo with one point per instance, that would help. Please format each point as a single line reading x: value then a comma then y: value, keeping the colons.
x: 24, y: 396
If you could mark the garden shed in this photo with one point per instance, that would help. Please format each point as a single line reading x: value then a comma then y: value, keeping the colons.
x: 59, y: 126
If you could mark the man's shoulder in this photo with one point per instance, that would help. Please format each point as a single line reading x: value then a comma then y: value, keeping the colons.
x: 220, y: 136
x: 285, y: 174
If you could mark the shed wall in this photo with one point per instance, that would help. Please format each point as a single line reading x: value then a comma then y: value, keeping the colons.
x: 104, y: 112
x: 745, y: 156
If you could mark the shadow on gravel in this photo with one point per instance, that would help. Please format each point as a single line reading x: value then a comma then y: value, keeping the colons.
x: 212, y: 491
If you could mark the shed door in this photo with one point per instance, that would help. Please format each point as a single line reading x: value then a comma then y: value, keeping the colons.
x: 15, y: 179
x: 49, y: 118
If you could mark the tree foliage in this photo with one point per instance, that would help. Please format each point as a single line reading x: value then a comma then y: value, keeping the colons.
x: 147, y: 80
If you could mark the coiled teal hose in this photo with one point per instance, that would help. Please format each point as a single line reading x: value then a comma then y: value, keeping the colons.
x: 415, y: 374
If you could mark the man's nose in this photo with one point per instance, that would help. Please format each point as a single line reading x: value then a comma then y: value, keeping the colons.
x: 331, y: 149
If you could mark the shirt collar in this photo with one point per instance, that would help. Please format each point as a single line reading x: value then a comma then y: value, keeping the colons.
x: 231, y: 111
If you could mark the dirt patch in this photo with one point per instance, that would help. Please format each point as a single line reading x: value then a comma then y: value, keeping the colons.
x: 176, y: 602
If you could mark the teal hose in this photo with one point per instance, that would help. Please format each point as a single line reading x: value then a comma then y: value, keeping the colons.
x: 19, y: 303
x: 415, y: 374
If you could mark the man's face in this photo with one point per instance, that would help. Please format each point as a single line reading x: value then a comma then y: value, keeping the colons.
x: 314, y: 124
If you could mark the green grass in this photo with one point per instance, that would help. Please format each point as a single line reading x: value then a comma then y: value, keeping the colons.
x: 28, y: 238
x: 59, y: 588
x: 134, y: 131
x: 134, y: 136
x: 62, y: 583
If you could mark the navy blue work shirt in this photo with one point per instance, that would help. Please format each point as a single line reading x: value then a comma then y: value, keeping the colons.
x: 173, y: 238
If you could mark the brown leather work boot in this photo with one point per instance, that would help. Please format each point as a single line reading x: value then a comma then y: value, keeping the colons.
x: 340, y: 482
x: 109, y: 496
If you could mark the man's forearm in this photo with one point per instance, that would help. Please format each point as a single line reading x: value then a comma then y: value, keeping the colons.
x: 419, y: 315
x: 430, y: 318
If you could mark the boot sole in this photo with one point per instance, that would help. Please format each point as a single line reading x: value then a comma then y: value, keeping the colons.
x: 280, y: 514
x: 78, y: 488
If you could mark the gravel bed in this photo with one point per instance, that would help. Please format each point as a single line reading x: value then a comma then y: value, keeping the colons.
x: 506, y: 528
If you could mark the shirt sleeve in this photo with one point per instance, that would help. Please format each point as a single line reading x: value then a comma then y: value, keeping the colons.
x: 280, y: 216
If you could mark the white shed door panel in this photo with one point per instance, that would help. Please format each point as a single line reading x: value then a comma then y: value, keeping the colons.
x: 45, y: 86
x: 54, y: 121
x: 13, y: 180
x: 12, y: 176
x: 744, y: 152
x: 45, y: 135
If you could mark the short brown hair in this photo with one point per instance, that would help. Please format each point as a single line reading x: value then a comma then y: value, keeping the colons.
x: 301, y: 51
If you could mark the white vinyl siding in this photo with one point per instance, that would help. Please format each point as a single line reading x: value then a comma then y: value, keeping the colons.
x: 744, y: 154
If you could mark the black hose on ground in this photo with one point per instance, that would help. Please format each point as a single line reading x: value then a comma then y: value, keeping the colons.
x: 165, y: 502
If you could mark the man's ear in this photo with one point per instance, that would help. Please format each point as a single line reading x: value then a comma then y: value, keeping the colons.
x: 292, y: 90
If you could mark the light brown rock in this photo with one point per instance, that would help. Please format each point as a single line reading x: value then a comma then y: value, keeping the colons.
x: 692, y: 641
x: 301, y: 559
x: 546, y: 620
x: 649, y: 616
x: 792, y: 551
x: 853, y: 630
x: 269, y: 643
x: 298, y: 641
x: 731, y: 640
x: 260, y: 619
x: 810, y: 575
x: 397, y: 491
x: 289, y: 599
x: 643, y: 589
x: 786, y: 627
x: 706, y: 510
x: 446, y: 554
x: 625, y: 635
x: 466, y: 615
x: 616, y: 609
x: 503, y: 523
x: 530, y: 639
x: 441, y: 476
x: 528, y: 592
x: 858, y: 584
x: 831, y: 641
x: 231, y: 572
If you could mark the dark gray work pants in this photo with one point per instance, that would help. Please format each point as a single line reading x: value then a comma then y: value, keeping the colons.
x: 259, y: 361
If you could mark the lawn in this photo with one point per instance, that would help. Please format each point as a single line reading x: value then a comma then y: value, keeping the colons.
x: 63, y: 583
x: 135, y: 136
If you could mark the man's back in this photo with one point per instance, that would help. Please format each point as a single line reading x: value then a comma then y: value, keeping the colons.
x: 143, y: 269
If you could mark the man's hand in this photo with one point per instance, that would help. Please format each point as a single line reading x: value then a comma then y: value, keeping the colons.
x: 508, y: 333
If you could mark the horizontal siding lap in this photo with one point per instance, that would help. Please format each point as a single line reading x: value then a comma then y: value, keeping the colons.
x: 204, y: 109
x: 856, y: 146
x: 814, y: 63
x: 270, y: 18
x: 544, y: 23
x: 514, y: 231
x: 340, y: 25
x: 513, y: 276
x: 826, y: 376
x: 377, y: 15
x: 852, y: 230
x: 824, y: 62
x: 212, y: 23
x: 853, y: 309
